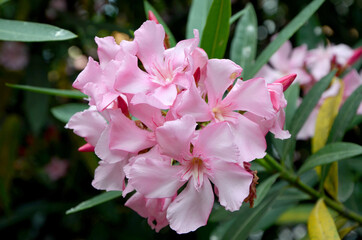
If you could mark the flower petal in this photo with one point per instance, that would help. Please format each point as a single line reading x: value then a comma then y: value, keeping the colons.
x: 249, y: 138
x: 191, y: 209
x: 251, y: 95
x: 174, y: 137
x: 217, y: 141
x: 149, y: 38
x: 147, y: 114
x: 232, y: 182
x: 126, y: 136
x: 88, y: 124
x: 220, y: 75
x: 154, y: 178
x: 109, y: 176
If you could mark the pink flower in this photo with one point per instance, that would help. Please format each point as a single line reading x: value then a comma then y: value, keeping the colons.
x: 14, y: 55
x: 56, y: 168
x: 168, y: 71
x: 319, y: 61
x: 287, y: 61
x: 203, y: 156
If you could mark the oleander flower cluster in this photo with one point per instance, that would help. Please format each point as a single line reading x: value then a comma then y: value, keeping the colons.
x: 311, y: 66
x: 165, y: 132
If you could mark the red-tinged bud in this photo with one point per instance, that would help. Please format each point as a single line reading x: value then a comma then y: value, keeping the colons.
x: 286, y: 81
x: 356, y: 55
x: 152, y: 16
x: 86, y: 148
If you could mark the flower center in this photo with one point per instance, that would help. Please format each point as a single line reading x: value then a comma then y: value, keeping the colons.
x: 218, y: 114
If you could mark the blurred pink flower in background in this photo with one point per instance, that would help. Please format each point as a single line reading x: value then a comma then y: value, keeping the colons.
x: 56, y: 168
x: 14, y: 55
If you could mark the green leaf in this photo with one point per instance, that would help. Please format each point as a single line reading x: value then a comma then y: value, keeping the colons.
x: 243, y: 45
x: 50, y: 91
x: 64, y: 112
x: 246, y: 220
x: 346, y: 181
x: 308, y: 29
x: 302, y: 114
x: 149, y: 7
x: 283, y: 36
x: 236, y: 16
x: 331, y: 153
x: 101, y: 198
x: 291, y: 95
x: 3, y: 1
x: 197, y: 17
x: 320, y: 223
x: 263, y: 188
x: 12, y: 30
x: 345, y: 116
x: 216, y: 32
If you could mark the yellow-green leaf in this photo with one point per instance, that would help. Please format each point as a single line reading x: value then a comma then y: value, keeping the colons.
x: 320, y: 223
x: 344, y: 231
x: 326, y: 115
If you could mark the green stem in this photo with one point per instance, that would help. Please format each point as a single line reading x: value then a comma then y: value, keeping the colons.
x: 294, y: 180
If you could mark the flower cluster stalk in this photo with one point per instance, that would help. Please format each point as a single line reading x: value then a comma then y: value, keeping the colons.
x: 294, y: 180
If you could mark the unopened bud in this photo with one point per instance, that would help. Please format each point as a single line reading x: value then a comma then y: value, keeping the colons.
x: 152, y: 16
x: 356, y: 55
x: 86, y: 148
x: 286, y: 81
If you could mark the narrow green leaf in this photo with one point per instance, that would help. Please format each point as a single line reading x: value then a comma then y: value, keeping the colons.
x: 64, y: 112
x: 149, y: 7
x: 50, y: 91
x: 243, y: 45
x: 245, y: 222
x: 216, y: 32
x: 101, y: 198
x: 197, y: 17
x: 345, y: 116
x: 291, y: 95
x: 12, y: 30
x: 263, y: 188
x: 283, y: 36
x: 302, y: 114
x: 331, y: 153
x: 236, y: 16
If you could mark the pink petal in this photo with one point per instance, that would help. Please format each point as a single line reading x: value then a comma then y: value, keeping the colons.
x: 131, y: 79
x: 148, y: 115
x: 298, y: 56
x: 109, y: 176
x: 103, y: 151
x: 191, y: 209
x: 107, y: 49
x: 149, y: 38
x: 88, y: 124
x: 280, y: 59
x: 278, y: 126
x: 220, y: 75
x: 189, y: 102
x: 351, y: 82
x: 269, y: 74
x: 249, y: 138
x: 217, y: 141
x: 162, y: 97
x: 174, y: 137
x: 155, y: 178
x: 232, y: 182
x: 126, y: 136
x: 251, y: 96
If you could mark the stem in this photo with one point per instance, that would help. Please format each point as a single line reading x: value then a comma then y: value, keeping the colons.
x: 294, y: 180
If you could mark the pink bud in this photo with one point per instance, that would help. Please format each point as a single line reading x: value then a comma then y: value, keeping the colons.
x: 356, y: 55
x: 286, y: 80
x: 152, y: 16
x: 86, y: 148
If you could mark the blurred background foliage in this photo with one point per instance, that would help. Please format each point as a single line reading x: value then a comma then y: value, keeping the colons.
x: 42, y: 174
